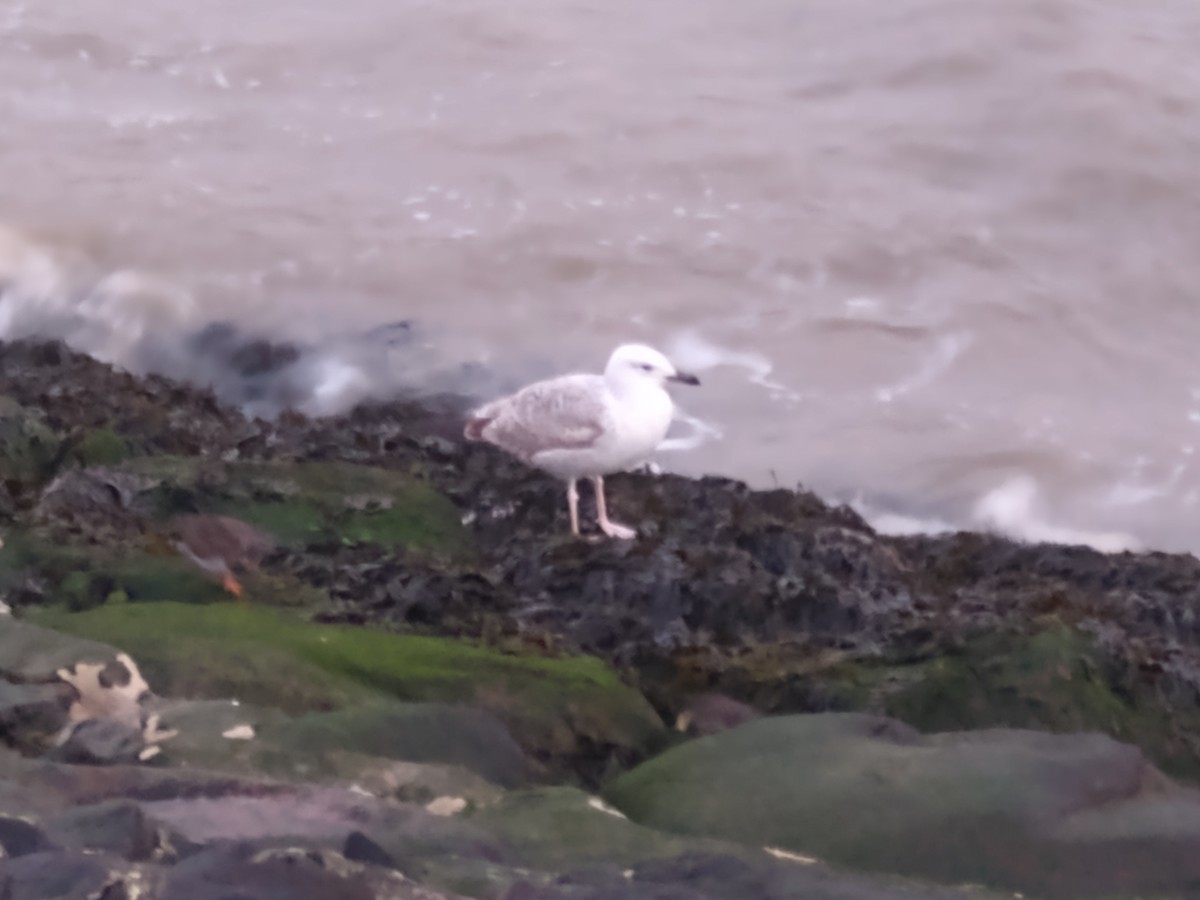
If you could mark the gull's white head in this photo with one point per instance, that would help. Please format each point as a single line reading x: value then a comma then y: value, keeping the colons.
x: 638, y: 364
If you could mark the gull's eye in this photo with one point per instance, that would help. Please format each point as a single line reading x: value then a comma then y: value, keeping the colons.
x: 646, y: 367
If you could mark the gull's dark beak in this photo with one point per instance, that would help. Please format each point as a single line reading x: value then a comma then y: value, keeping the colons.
x: 684, y: 378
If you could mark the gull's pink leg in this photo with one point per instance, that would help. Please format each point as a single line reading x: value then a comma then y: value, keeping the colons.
x: 573, y: 505
x: 612, y: 529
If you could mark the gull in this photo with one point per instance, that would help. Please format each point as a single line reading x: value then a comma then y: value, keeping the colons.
x: 586, y: 426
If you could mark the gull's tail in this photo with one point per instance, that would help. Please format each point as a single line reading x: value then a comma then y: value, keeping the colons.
x: 473, y: 431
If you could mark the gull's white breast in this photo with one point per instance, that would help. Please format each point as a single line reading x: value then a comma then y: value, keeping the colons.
x: 641, y: 419
x: 635, y: 423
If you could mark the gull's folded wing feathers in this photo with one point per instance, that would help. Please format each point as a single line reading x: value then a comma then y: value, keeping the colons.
x: 561, y: 414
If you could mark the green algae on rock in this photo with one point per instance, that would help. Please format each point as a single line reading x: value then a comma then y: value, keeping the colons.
x: 102, y: 531
x: 998, y: 807
x: 303, y: 501
x: 101, y: 447
x: 81, y: 575
x: 298, y: 501
x: 571, y: 708
x: 564, y: 830
x: 562, y: 827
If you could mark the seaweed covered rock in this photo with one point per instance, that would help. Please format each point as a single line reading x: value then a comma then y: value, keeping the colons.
x: 77, y: 394
x: 30, y: 452
x: 143, y: 530
x: 772, y: 598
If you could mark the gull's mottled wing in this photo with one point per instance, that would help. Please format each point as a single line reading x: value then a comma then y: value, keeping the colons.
x: 566, y: 413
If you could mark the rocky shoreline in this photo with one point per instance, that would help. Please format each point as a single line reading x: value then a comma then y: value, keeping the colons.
x: 429, y: 690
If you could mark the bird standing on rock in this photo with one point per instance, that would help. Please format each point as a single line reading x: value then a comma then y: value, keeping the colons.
x: 587, y: 426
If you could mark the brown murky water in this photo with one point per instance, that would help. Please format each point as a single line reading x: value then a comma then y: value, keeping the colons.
x: 919, y: 248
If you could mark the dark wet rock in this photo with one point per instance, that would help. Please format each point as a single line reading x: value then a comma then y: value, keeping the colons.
x: 249, y: 872
x: 248, y: 357
x: 97, y: 504
x: 19, y: 837
x: 19, y: 798
x: 154, y: 413
x: 119, y: 827
x: 261, y: 358
x: 100, y: 742
x: 60, y: 875
x: 32, y: 715
x: 436, y: 849
x: 161, y: 812
x: 55, y: 788
x: 1057, y: 815
x: 360, y: 848
x: 276, y: 814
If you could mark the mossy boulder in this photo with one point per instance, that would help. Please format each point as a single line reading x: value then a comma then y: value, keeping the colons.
x: 1053, y: 677
x: 571, y: 712
x: 416, y: 732
x: 567, y: 840
x: 1001, y: 807
x: 546, y: 832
